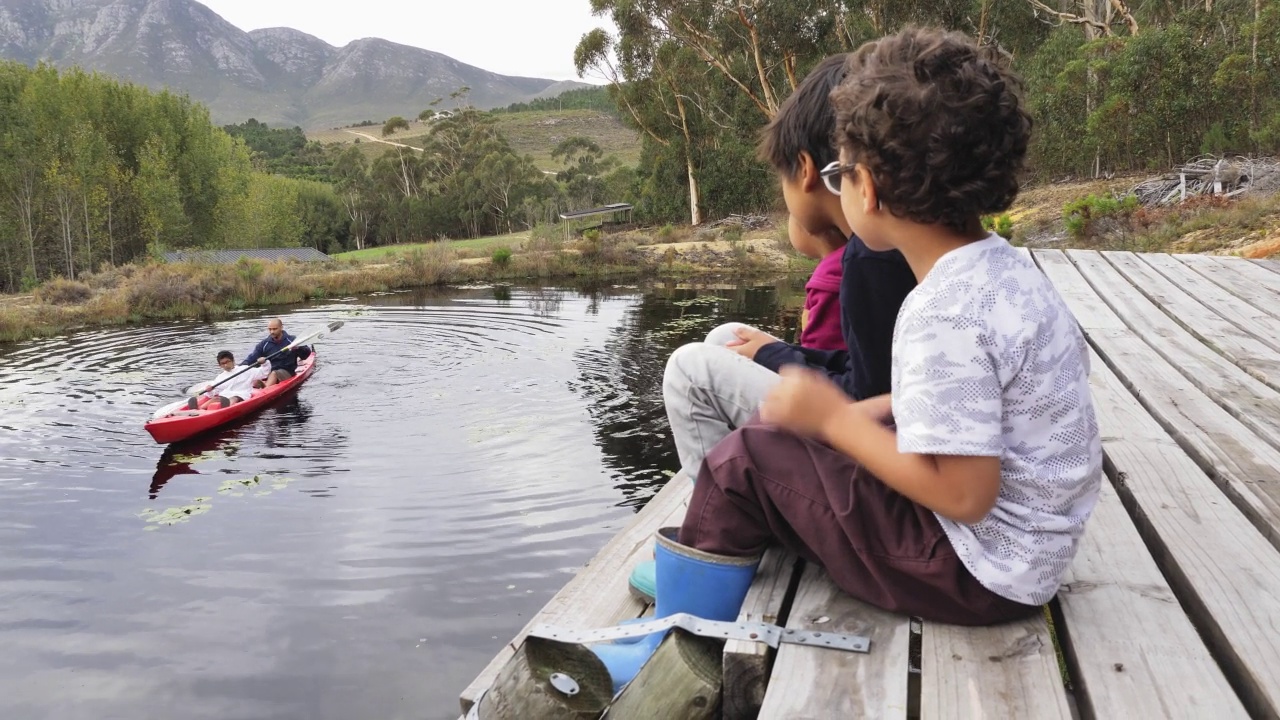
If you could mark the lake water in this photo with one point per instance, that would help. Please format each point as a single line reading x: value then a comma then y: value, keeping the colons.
x: 457, y: 456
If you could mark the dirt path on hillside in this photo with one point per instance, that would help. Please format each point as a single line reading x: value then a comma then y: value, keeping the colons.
x: 367, y: 136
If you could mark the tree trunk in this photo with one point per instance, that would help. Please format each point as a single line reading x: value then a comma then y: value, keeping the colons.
x: 695, y: 212
x: 24, y: 199
x: 1253, y: 72
x: 111, y: 240
x: 88, y: 235
x: 65, y: 213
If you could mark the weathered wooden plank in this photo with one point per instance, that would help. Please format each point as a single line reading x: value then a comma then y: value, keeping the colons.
x: 1132, y: 649
x: 598, y: 596
x: 1231, y: 279
x: 1272, y: 265
x: 746, y: 663
x: 1254, y: 322
x: 1247, y: 469
x: 1223, y: 571
x: 1248, y: 399
x: 1003, y: 671
x: 1250, y: 272
x: 810, y: 683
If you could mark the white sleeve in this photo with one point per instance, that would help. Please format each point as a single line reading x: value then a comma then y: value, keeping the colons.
x: 948, y: 396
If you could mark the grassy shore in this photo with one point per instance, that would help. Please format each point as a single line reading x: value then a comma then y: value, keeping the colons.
x: 159, y: 291
x: 138, y: 293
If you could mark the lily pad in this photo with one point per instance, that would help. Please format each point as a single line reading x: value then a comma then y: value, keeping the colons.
x: 231, y: 486
x: 175, y: 515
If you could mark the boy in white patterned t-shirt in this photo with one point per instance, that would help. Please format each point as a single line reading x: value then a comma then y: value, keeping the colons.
x: 971, y: 509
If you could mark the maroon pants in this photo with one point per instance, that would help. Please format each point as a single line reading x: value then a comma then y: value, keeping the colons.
x: 762, y: 486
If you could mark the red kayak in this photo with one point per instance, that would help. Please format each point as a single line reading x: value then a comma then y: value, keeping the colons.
x: 182, y: 424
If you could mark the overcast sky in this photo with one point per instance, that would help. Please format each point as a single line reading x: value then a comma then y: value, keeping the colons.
x: 533, y: 38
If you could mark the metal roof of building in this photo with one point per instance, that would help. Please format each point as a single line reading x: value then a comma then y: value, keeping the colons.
x: 305, y: 254
x: 604, y: 210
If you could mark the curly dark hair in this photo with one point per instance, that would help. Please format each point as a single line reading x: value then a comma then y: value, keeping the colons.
x: 939, y: 123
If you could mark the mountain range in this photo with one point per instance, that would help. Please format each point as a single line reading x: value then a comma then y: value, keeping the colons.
x: 279, y: 76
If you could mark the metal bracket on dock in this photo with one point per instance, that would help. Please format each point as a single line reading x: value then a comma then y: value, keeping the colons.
x: 771, y: 635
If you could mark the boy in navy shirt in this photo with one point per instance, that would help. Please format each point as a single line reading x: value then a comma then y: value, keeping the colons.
x: 713, y: 387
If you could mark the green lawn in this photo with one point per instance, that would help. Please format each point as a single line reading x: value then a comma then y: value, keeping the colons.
x: 473, y: 245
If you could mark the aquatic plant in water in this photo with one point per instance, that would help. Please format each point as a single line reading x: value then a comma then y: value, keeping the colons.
x: 265, y: 485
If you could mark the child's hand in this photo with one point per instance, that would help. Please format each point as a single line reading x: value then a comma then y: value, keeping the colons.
x: 749, y: 341
x: 804, y: 402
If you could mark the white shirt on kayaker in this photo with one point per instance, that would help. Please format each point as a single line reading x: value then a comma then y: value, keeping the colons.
x: 241, y: 387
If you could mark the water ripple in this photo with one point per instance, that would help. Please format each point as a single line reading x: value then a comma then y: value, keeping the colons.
x: 365, y: 545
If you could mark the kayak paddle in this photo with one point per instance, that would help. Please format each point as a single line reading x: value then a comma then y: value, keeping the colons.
x: 331, y: 327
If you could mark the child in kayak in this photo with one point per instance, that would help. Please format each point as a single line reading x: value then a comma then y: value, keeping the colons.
x: 229, y: 393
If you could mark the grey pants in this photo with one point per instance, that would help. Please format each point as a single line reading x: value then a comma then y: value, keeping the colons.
x: 709, y: 391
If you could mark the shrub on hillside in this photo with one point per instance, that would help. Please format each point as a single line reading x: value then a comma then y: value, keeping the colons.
x: 60, y: 291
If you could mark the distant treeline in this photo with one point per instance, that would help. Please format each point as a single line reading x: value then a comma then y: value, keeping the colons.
x: 95, y: 171
x: 593, y: 98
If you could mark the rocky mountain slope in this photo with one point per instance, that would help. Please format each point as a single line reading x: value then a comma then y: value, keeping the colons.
x: 280, y: 76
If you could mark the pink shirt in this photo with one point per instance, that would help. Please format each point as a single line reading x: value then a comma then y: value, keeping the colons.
x: 820, y: 324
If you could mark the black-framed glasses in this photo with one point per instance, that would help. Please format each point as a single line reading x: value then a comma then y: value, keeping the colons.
x: 832, y: 174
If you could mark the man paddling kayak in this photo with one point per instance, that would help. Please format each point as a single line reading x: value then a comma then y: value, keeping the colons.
x: 284, y: 365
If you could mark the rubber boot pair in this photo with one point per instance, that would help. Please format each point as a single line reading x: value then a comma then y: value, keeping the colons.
x: 687, y: 580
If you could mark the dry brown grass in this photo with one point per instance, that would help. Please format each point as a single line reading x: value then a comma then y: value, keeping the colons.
x: 155, y: 291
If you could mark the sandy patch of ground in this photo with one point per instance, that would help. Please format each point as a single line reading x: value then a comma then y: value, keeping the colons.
x: 721, y: 252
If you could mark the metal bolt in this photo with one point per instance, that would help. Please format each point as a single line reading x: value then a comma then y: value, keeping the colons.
x: 564, y: 684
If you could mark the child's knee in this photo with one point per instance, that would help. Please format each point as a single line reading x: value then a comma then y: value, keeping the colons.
x: 688, y: 365
x: 724, y: 334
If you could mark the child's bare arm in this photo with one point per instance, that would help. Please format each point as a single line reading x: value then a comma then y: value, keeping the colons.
x: 963, y: 488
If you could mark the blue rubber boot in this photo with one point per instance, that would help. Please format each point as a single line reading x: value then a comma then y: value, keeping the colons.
x: 643, y: 582
x: 707, y: 586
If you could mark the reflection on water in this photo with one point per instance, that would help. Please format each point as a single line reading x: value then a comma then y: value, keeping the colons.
x: 361, y: 548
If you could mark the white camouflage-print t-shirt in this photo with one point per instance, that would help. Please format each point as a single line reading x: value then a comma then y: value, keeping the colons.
x: 988, y: 360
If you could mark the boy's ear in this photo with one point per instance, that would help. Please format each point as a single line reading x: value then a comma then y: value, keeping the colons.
x: 807, y: 172
x: 867, y: 189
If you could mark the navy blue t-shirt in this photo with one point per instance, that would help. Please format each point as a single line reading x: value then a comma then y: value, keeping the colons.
x: 285, y: 361
x: 872, y: 288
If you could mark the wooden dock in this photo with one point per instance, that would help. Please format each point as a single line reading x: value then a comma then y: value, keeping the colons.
x: 1172, y: 606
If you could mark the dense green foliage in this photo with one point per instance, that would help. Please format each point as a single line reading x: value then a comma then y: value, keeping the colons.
x: 94, y: 172
x: 466, y: 181
x: 593, y: 98
x: 284, y: 151
x: 1114, y: 86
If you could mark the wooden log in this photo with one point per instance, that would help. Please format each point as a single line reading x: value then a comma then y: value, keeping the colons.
x: 681, y: 680
x: 524, y: 689
x: 598, y: 595
x: 746, y: 663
